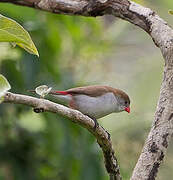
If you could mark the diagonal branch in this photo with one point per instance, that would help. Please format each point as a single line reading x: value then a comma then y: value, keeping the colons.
x: 162, y: 34
x: 75, y: 116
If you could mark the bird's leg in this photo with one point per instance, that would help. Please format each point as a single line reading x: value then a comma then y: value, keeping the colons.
x: 96, y: 124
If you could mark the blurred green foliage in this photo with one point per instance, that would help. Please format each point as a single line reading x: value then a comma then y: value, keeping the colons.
x: 78, y: 51
x: 47, y: 146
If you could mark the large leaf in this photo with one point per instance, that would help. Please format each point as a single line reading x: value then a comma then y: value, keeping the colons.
x: 11, y: 31
x: 4, y: 87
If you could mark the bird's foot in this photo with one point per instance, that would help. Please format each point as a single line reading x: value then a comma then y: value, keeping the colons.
x: 96, y: 125
x: 38, y: 110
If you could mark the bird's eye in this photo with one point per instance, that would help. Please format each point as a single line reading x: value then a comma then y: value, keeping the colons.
x: 126, y: 102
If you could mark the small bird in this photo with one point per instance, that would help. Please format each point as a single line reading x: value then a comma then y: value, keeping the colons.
x: 95, y: 101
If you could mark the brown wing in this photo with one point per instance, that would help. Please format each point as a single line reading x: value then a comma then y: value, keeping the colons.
x: 92, y: 91
x: 96, y: 90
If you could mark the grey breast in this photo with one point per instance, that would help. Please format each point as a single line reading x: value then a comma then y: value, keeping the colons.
x: 96, y: 107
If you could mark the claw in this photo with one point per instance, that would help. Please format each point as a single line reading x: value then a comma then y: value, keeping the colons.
x: 96, y: 125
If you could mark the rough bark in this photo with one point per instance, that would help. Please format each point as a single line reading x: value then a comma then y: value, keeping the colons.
x: 162, y: 34
x: 75, y: 116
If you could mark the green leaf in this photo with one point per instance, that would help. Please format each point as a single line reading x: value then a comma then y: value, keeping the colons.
x: 170, y: 12
x: 43, y: 90
x: 4, y: 87
x: 11, y: 31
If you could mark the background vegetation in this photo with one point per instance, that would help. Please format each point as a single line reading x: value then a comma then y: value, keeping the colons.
x: 77, y: 51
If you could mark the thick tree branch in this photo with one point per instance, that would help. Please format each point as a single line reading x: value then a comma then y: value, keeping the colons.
x: 118, y: 8
x: 75, y: 116
x: 162, y: 128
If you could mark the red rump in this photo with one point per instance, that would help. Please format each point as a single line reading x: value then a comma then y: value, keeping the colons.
x: 62, y: 92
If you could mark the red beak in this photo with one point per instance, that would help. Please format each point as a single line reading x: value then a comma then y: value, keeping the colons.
x: 127, y: 109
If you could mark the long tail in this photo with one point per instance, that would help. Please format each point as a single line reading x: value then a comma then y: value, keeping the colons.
x: 53, y: 92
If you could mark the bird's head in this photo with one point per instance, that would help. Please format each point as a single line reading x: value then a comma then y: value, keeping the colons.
x: 123, y: 101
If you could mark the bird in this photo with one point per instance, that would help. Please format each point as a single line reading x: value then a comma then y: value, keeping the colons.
x: 95, y: 101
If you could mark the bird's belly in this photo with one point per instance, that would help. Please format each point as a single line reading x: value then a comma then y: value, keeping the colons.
x: 96, y: 107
